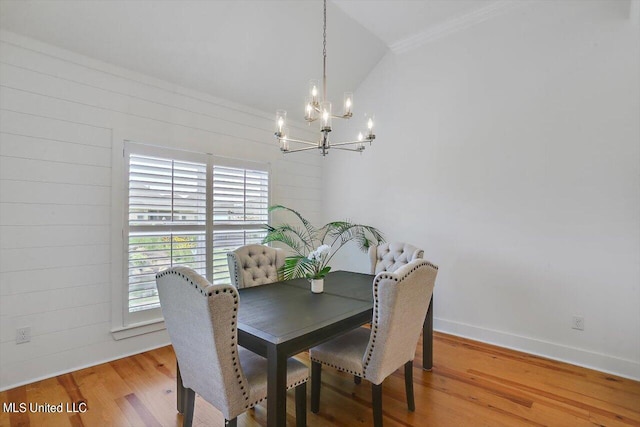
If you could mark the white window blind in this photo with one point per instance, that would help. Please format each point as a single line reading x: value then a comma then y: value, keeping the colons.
x: 181, y: 211
x: 240, y: 207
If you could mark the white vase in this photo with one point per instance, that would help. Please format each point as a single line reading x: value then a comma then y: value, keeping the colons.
x: 317, y: 286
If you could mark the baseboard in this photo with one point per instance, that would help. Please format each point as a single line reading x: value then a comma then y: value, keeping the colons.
x: 575, y: 356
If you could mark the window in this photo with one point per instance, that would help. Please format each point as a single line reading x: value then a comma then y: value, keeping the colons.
x: 188, y: 209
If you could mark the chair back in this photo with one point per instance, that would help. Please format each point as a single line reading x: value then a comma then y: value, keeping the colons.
x: 254, y: 265
x: 201, y: 319
x: 392, y: 256
x: 400, y: 303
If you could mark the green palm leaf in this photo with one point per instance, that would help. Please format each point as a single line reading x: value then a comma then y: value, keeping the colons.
x: 302, y: 241
x: 345, y: 231
x: 333, y: 229
x: 364, y: 241
x: 307, y: 225
x: 275, y: 235
x: 291, y: 236
x: 296, y: 266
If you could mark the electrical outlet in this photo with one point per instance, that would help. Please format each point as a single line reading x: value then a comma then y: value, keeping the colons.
x: 23, y: 335
x: 578, y: 323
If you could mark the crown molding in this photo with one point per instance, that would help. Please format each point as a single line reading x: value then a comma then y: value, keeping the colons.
x: 454, y: 25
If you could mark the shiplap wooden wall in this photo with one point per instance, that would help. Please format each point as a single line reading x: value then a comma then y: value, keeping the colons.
x: 60, y: 116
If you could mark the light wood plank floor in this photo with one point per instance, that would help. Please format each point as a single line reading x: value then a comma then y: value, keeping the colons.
x: 471, y: 384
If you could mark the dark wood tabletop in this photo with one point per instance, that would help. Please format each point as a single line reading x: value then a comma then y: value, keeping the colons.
x: 279, y: 313
x: 343, y: 283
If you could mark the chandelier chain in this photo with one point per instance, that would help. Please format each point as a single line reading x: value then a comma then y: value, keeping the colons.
x: 324, y: 31
x: 324, y: 53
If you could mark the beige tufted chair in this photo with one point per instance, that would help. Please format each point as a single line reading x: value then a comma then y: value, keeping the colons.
x: 391, y: 256
x: 201, y: 321
x: 400, y: 302
x: 254, y: 265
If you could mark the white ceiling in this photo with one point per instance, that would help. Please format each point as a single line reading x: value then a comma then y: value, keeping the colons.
x: 259, y: 53
x: 396, y: 20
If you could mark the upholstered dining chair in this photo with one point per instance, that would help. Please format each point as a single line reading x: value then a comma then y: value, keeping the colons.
x: 400, y: 302
x: 391, y: 256
x: 201, y: 320
x: 254, y: 265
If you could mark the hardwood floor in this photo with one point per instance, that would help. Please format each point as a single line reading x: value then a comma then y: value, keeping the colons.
x: 471, y: 384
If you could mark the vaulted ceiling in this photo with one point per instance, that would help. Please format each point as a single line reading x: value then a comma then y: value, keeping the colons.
x: 255, y: 52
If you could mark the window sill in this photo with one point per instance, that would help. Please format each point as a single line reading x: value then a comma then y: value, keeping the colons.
x: 136, y: 329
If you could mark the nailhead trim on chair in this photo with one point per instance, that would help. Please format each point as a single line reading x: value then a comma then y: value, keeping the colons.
x: 234, y: 294
x: 348, y: 371
x: 296, y: 384
x: 374, y: 322
x: 235, y: 267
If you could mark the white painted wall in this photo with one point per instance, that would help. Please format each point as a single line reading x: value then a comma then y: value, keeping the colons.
x: 510, y: 152
x: 61, y: 114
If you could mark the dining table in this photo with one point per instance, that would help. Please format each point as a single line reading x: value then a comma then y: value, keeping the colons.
x: 281, y: 319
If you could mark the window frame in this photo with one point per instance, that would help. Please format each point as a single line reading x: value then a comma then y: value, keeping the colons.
x: 124, y: 323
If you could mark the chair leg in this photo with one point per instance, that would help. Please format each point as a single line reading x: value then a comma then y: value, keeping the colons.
x: 189, y: 400
x: 316, y: 378
x: 376, y: 402
x: 179, y: 390
x: 408, y: 385
x: 301, y: 405
x: 357, y: 379
x: 231, y: 423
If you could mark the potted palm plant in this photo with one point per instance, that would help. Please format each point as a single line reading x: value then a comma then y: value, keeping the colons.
x: 313, y: 248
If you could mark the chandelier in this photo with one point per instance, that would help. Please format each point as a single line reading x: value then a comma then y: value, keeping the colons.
x: 317, y: 108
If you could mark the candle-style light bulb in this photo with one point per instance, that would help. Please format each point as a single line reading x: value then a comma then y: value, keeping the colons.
x: 281, y: 120
x: 284, y: 140
x: 313, y: 91
x: 360, y: 146
x: 308, y: 109
x: 326, y: 116
x: 348, y: 104
x: 370, y: 134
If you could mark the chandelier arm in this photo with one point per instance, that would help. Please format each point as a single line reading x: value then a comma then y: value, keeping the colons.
x: 348, y: 149
x: 338, y: 144
x: 300, y: 149
x: 300, y: 141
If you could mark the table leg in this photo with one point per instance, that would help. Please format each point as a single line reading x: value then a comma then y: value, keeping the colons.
x: 427, y: 339
x: 276, y: 387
